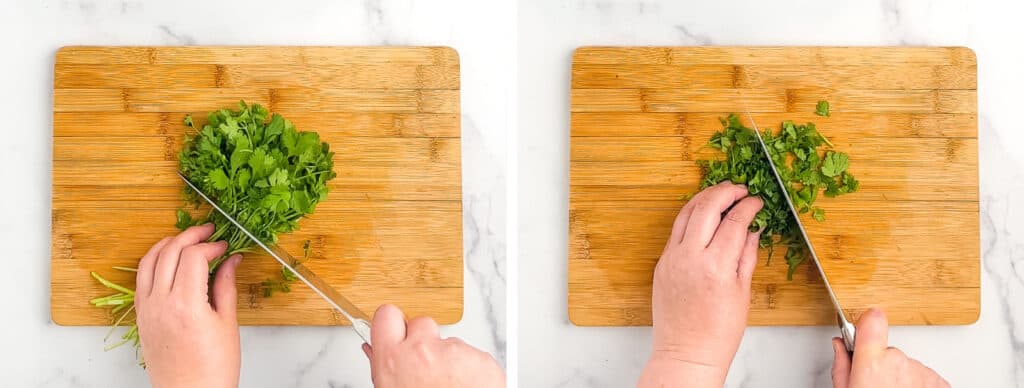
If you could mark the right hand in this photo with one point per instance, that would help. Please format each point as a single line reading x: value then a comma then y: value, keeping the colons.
x: 875, y: 364
x: 413, y: 354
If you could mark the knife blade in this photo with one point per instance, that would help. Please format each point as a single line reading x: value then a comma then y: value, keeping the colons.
x: 845, y: 327
x: 359, y: 319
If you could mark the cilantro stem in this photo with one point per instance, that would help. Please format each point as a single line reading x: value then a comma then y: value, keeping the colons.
x: 110, y: 284
x: 825, y: 139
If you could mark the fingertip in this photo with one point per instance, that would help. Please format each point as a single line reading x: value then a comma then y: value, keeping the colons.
x: 758, y: 200
x: 232, y: 264
x: 876, y: 313
x: 388, y: 326
x: 386, y: 310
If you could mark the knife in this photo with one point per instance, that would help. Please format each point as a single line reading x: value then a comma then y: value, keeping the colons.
x: 359, y: 319
x: 845, y: 327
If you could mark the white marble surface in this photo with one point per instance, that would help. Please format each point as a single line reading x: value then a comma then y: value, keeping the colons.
x: 36, y: 353
x: 553, y: 353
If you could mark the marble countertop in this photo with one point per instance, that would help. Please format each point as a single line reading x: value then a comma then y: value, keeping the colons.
x: 554, y: 353
x: 37, y: 353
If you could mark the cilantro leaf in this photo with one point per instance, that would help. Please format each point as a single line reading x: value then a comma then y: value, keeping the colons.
x: 835, y: 163
x: 822, y: 109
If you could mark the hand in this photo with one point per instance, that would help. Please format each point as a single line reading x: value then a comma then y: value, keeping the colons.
x: 414, y: 355
x: 702, y: 288
x: 875, y: 364
x: 186, y: 340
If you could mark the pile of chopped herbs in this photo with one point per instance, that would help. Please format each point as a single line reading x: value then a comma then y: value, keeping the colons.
x: 806, y: 163
x: 259, y: 169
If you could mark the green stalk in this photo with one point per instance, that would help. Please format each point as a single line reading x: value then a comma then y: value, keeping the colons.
x: 111, y: 285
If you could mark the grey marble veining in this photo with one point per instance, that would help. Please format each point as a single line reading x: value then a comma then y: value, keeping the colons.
x: 36, y: 353
x: 555, y: 353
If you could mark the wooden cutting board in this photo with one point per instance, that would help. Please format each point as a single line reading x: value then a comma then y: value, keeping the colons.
x: 389, y: 232
x: 908, y: 241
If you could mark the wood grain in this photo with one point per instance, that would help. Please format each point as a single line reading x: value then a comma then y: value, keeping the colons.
x: 390, y: 231
x: 908, y: 241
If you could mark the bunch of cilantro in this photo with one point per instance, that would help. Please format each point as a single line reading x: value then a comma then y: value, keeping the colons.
x: 265, y: 173
x: 806, y: 164
x: 258, y: 168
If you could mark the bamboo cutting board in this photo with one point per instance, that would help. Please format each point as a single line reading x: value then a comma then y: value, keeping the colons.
x: 908, y: 241
x: 389, y: 232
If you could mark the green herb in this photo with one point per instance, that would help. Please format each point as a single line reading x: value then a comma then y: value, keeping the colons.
x: 799, y: 153
x: 286, y: 273
x: 822, y: 109
x: 257, y: 167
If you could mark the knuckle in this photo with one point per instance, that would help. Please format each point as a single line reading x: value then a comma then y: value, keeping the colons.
x: 735, y: 217
x: 189, y: 251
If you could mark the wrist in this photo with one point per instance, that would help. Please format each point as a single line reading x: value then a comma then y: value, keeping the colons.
x: 673, y: 369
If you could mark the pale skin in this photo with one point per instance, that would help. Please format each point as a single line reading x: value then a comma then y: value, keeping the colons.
x: 189, y: 331
x: 701, y: 297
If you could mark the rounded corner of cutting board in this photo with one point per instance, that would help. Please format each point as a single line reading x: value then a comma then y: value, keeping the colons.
x: 455, y: 318
x: 58, y: 318
x: 575, y: 320
x: 580, y: 50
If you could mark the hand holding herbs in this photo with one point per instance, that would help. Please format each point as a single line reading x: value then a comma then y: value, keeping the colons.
x: 257, y: 167
x: 189, y: 332
x: 701, y: 293
x: 806, y: 164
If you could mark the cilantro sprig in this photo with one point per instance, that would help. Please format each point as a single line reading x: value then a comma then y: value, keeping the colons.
x: 806, y: 164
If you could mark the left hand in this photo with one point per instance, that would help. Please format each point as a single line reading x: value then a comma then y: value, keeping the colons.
x: 702, y: 288
x: 186, y: 340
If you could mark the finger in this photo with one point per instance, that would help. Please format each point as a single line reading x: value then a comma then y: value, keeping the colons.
x: 707, y: 212
x: 193, y: 275
x: 225, y: 295
x: 388, y: 327
x: 679, y: 225
x: 422, y: 327
x: 683, y: 218
x: 748, y: 259
x: 735, y: 227
x: 841, y: 365
x: 144, y: 273
x: 167, y: 260
x: 368, y: 351
x: 872, y: 338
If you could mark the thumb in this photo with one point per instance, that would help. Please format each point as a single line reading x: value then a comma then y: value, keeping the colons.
x: 225, y: 295
x: 872, y: 336
x: 841, y: 366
